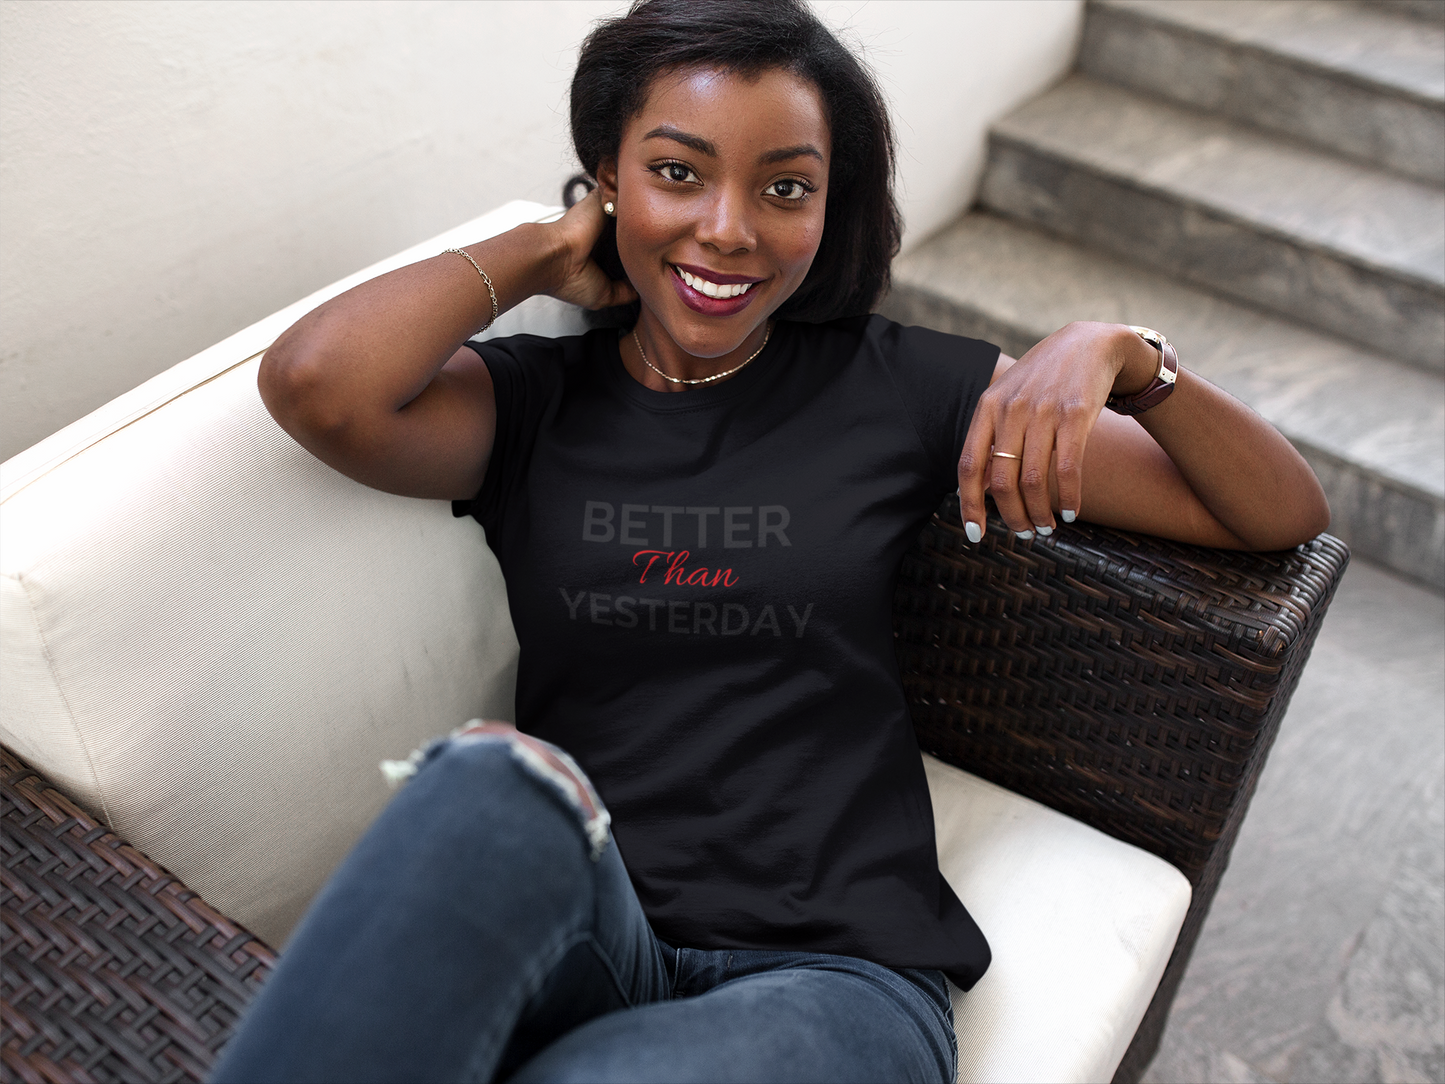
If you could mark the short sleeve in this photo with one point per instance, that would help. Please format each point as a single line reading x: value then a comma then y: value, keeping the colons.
x: 939, y: 378
x: 527, y: 376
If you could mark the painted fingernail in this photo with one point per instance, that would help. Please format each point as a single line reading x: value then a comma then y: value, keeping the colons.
x: 1068, y: 515
x: 1044, y: 532
x: 1025, y: 535
x: 973, y: 531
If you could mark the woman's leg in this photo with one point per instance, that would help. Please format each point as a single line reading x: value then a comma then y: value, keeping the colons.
x: 476, y: 920
x: 767, y: 1016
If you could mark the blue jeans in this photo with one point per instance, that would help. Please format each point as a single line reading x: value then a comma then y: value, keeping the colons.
x: 485, y: 928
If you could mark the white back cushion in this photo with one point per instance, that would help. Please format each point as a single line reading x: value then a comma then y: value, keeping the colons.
x: 210, y: 638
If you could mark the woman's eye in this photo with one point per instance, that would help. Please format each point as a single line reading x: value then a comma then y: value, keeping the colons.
x: 676, y: 172
x: 787, y: 189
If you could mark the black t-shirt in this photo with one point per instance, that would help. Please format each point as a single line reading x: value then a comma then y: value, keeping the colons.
x: 702, y: 586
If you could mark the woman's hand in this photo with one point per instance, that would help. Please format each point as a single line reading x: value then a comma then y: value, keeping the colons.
x: 1200, y: 467
x: 579, y: 281
x: 1040, y: 412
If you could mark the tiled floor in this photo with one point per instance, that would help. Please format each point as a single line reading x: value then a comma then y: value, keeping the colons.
x: 1323, y: 958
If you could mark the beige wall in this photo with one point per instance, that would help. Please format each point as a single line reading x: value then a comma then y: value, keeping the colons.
x: 172, y: 171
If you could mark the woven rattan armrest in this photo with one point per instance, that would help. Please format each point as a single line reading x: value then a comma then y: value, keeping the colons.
x: 113, y: 969
x: 1132, y: 683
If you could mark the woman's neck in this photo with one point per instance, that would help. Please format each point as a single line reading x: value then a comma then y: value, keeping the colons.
x: 651, y: 356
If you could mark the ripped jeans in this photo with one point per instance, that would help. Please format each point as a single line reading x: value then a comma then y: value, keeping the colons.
x: 485, y: 928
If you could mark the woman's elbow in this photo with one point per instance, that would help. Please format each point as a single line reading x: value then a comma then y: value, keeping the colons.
x: 1317, y: 518
x: 1312, y: 507
x: 1300, y: 520
x: 295, y: 393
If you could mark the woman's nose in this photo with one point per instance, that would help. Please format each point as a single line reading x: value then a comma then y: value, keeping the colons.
x: 726, y: 222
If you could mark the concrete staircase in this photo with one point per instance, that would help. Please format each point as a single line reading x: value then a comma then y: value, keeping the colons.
x: 1263, y: 181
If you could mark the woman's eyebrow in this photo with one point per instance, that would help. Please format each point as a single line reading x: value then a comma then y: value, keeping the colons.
x: 703, y: 146
x: 783, y: 154
x: 697, y: 143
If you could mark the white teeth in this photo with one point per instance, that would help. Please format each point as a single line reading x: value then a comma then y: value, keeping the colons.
x: 713, y: 289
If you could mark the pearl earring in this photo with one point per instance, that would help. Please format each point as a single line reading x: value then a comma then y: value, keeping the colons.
x: 609, y: 208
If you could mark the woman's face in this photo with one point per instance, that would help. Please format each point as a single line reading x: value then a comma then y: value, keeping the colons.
x: 720, y: 184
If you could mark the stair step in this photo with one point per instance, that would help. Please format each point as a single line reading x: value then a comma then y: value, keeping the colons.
x: 1357, y: 251
x: 1363, y: 82
x: 1372, y: 429
x: 1432, y: 11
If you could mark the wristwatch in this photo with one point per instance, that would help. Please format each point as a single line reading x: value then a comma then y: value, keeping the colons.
x: 1160, y: 387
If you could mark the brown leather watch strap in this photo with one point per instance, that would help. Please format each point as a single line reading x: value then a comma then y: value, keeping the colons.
x: 1161, y: 387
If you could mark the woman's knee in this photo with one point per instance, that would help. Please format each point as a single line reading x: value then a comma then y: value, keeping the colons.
x: 503, y: 775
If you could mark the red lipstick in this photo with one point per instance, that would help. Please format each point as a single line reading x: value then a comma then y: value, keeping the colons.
x: 712, y: 306
x: 716, y: 276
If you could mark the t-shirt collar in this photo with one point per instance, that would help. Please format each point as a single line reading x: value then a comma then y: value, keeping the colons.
x: 696, y: 397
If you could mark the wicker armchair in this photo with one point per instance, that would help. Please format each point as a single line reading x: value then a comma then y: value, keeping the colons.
x: 1131, y: 683
x: 182, y: 584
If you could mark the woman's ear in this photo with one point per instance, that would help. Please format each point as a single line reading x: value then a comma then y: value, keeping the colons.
x: 607, y: 179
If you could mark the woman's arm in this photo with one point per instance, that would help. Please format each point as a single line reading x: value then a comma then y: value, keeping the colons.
x: 1200, y: 467
x: 376, y: 382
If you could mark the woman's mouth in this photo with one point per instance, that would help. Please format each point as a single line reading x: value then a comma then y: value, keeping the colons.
x: 702, y: 293
x: 721, y: 290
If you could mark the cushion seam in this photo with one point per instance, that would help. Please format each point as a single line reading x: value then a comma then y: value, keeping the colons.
x: 60, y: 689
x: 143, y: 412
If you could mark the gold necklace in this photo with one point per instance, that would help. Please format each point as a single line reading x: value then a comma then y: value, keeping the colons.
x: 768, y: 334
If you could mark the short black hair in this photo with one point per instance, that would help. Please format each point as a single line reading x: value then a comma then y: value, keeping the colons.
x: 861, y: 226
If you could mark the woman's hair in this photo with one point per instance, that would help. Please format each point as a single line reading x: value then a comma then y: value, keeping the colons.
x: 861, y: 227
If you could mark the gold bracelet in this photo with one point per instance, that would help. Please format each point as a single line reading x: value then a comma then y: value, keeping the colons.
x: 464, y: 254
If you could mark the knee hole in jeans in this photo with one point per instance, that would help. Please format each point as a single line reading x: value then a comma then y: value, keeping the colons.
x: 542, y: 760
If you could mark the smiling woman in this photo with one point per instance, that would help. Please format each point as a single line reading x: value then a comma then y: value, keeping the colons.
x: 700, y: 516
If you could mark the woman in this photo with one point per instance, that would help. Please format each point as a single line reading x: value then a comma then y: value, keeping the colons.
x: 699, y: 520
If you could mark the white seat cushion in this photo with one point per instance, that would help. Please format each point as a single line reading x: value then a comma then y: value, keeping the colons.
x: 1081, y: 927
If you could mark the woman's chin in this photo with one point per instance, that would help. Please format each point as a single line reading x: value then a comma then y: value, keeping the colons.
x: 706, y: 336
x: 710, y: 342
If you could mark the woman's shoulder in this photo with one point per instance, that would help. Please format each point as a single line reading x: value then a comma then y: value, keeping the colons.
x: 536, y: 369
